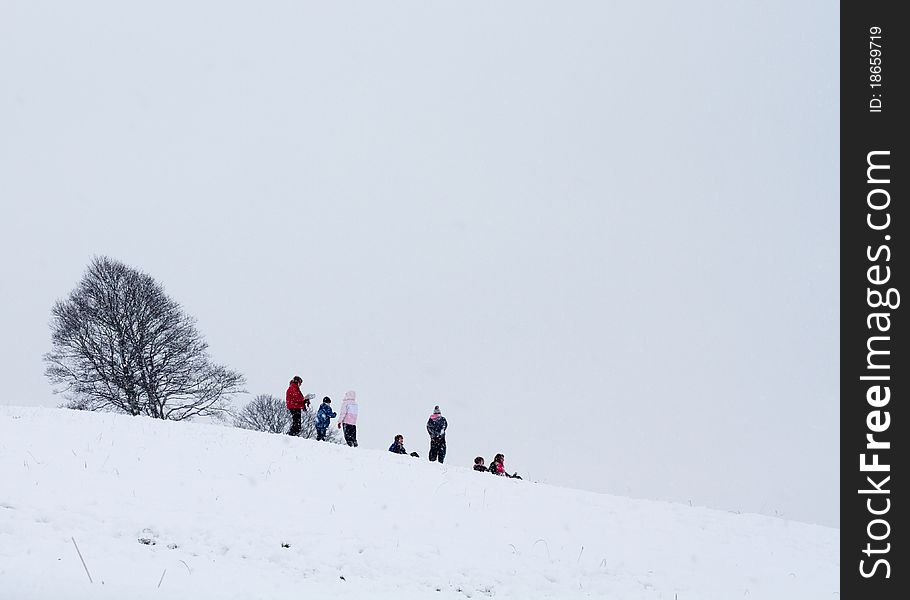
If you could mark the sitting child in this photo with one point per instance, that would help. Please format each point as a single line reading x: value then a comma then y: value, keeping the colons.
x: 497, y: 467
x: 478, y: 464
x: 398, y: 445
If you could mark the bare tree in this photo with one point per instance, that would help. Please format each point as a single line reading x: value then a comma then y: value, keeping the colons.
x: 268, y: 413
x: 264, y: 413
x: 121, y: 344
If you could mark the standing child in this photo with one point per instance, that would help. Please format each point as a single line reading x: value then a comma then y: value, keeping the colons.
x: 323, y: 417
x: 296, y: 402
x: 348, y: 418
x: 436, y: 427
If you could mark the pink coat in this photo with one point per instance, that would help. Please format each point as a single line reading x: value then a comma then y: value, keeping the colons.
x: 348, y: 412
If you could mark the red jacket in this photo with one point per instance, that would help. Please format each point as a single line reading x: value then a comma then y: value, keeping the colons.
x: 294, y: 397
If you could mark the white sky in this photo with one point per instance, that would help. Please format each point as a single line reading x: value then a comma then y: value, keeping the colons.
x: 602, y: 237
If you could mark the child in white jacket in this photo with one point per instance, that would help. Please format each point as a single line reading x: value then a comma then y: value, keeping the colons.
x: 348, y: 418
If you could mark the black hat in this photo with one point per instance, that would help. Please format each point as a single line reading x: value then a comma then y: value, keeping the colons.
x: 327, y: 399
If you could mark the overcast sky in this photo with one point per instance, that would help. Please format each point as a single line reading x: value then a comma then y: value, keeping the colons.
x: 603, y: 236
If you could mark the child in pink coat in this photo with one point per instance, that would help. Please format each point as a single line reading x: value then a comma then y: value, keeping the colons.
x: 348, y: 418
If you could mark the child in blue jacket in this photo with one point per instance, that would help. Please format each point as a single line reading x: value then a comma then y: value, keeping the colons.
x: 323, y: 417
x: 398, y: 445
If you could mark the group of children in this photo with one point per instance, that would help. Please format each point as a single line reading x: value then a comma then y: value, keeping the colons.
x: 297, y: 402
x: 436, y: 427
x: 497, y: 467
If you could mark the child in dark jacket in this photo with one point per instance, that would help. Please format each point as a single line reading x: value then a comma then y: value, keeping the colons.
x: 436, y: 427
x: 478, y: 465
x: 398, y: 445
x: 323, y: 416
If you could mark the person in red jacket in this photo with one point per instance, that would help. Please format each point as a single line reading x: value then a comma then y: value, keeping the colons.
x: 497, y: 467
x: 296, y: 402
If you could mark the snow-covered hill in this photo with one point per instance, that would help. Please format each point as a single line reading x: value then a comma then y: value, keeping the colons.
x: 184, y: 510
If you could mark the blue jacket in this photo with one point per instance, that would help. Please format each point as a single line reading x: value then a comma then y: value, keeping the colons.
x: 397, y: 448
x: 324, y: 415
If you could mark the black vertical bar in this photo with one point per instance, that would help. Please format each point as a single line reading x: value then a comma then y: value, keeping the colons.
x: 874, y: 369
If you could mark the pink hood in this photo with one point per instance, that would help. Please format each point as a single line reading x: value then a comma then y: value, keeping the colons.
x: 348, y: 412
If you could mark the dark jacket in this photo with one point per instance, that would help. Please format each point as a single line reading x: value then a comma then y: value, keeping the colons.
x: 397, y: 448
x: 480, y: 468
x: 324, y: 415
x: 436, y: 426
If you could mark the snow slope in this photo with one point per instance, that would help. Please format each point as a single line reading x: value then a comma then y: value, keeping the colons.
x: 219, y: 503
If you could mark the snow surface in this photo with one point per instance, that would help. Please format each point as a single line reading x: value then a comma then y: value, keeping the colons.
x: 216, y: 504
